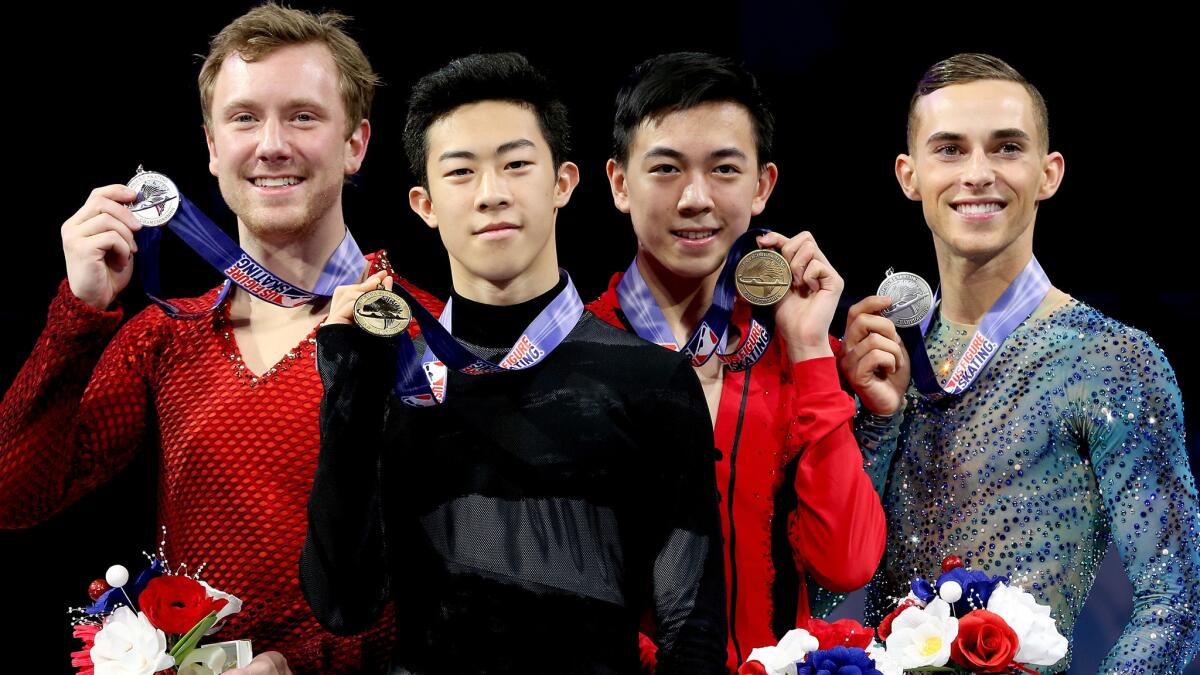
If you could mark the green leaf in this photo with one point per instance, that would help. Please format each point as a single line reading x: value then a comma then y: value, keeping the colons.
x: 189, y: 641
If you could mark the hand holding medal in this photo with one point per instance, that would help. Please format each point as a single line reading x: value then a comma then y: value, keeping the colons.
x: 873, y: 359
x: 98, y: 245
x: 343, y: 306
x: 806, y: 291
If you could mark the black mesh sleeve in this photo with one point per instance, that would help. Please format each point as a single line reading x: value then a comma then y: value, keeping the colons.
x: 689, y: 580
x: 343, y: 568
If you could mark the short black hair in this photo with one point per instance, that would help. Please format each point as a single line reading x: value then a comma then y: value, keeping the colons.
x: 678, y: 81
x: 505, y: 76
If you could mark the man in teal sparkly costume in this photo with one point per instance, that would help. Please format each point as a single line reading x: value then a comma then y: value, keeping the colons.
x: 1072, y: 434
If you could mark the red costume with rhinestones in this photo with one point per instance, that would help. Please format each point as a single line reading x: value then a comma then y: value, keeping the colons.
x: 237, y: 456
x: 781, y: 424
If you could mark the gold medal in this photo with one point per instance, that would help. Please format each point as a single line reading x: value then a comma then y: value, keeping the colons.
x: 382, y: 312
x: 763, y: 277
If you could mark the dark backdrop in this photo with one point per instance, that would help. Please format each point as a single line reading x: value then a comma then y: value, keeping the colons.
x: 95, y: 91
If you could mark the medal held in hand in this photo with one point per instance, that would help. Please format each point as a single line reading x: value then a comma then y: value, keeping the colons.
x: 763, y: 277
x: 912, y: 299
x: 381, y: 312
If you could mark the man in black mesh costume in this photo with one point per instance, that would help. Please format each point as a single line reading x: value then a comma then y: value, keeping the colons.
x: 529, y: 520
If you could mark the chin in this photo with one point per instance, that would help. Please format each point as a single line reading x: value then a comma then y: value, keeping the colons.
x: 278, y: 225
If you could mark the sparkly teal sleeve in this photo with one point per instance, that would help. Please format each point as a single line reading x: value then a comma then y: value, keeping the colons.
x: 1132, y: 424
x: 878, y: 436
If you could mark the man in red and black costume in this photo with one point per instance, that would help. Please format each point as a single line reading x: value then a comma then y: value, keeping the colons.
x: 231, y: 399
x: 691, y: 166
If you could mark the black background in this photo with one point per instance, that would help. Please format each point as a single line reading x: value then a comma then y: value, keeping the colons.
x: 95, y: 91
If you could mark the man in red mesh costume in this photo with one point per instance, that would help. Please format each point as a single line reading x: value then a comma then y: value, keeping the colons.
x: 231, y: 399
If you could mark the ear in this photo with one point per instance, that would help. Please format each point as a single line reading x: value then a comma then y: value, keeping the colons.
x: 565, y: 183
x: 618, y: 185
x: 356, y: 148
x: 906, y: 175
x: 1053, y: 169
x: 766, y: 184
x: 422, y: 205
x: 212, y: 150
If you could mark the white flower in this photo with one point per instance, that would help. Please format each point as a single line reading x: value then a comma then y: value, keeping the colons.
x: 129, y: 645
x: 232, y: 607
x: 884, y: 662
x: 922, y: 637
x: 209, y: 660
x: 781, y: 659
x: 1040, y: 643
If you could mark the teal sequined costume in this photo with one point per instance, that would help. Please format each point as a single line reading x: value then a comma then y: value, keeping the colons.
x: 1072, y: 435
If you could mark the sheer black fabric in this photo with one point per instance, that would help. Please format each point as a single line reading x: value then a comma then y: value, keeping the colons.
x: 528, y: 522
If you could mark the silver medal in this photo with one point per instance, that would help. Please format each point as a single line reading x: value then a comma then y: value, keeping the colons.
x: 157, y: 198
x: 912, y: 299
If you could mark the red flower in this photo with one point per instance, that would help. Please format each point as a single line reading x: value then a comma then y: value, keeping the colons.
x: 752, y: 668
x: 885, y: 626
x: 82, y: 659
x: 176, y: 604
x: 841, y: 633
x: 985, y: 643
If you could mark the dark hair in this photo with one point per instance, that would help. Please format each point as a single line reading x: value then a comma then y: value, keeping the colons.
x: 483, y: 77
x: 964, y: 68
x: 669, y: 83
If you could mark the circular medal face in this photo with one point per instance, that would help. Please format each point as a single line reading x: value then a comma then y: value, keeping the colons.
x: 763, y: 277
x: 157, y: 198
x: 911, y: 299
x: 382, y: 312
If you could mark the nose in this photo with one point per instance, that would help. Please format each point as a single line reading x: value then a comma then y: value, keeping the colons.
x: 695, y: 198
x: 272, y: 142
x: 493, y: 192
x: 979, y: 172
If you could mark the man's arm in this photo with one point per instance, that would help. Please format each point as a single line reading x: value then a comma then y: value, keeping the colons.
x: 688, y: 576
x: 343, y: 566
x: 1136, y: 442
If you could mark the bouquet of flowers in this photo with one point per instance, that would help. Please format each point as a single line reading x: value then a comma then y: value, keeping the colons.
x: 964, y: 622
x: 154, y: 623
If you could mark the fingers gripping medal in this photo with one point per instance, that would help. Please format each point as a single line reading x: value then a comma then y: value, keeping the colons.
x: 911, y: 297
x: 763, y: 277
x: 157, y: 197
x: 381, y: 312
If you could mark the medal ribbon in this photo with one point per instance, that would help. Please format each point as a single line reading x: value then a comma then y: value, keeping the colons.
x: 647, y: 320
x: 421, y: 381
x: 223, y: 253
x: 1013, y: 307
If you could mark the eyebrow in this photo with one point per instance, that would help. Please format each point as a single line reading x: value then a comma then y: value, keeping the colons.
x: 952, y: 137
x: 503, y: 148
x: 671, y: 153
x: 291, y: 105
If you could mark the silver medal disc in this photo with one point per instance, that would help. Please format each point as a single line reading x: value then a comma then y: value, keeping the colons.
x: 911, y: 297
x: 157, y: 198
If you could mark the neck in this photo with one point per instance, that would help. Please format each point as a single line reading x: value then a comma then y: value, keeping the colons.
x: 969, y: 287
x: 683, y: 300
x: 297, y: 260
x: 498, y: 325
x: 529, y: 283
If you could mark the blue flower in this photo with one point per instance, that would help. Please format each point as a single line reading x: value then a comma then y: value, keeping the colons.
x: 837, y: 661
x: 977, y: 587
x: 923, y: 590
x: 114, y: 597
